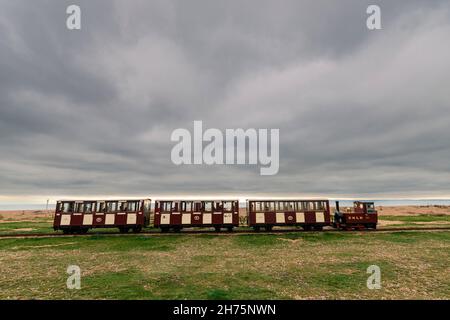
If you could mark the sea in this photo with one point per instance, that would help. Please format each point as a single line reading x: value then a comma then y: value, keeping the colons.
x: 343, y: 203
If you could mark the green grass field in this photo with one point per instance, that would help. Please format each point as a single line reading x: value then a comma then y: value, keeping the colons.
x: 414, y: 265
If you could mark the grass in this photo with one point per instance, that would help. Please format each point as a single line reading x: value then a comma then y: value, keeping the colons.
x: 26, y: 227
x: 418, y: 218
x: 414, y: 265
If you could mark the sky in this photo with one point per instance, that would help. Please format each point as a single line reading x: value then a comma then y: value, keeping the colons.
x: 90, y: 112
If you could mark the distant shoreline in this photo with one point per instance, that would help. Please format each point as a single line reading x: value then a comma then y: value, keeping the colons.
x: 382, y: 203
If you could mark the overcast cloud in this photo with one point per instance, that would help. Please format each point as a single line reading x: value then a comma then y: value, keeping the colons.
x: 90, y: 112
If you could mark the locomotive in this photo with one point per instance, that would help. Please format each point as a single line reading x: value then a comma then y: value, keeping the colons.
x: 78, y: 216
x: 362, y: 216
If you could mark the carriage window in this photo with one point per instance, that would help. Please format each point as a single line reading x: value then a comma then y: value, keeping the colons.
x: 197, y: 206
x: 269, y: 206
x: 306, y: 206
x: 207, y: 206
x: 67, y: 207
x: 123, y: 206
x: 291, y: 206
x: 132, y: 206
x: 100, y: 207
x: 88, y: 207
x: 186, y: 206
x: 166, y: 206
x: 112, y: 206
x: 279, y: 206
x: 147, y: 205
x: 318, y: 205
x: 218, y: 206
x: 79, y: 207
x: 228, y: 206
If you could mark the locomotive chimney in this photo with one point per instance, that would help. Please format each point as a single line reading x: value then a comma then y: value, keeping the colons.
x: 337, y: 206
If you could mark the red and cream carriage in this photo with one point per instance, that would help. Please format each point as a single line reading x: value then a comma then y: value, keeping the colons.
x: 309, y: 214
x: 78, y: 216
x: 178, y: 214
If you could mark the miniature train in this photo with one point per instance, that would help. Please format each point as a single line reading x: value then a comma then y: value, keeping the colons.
x: 78, y: 216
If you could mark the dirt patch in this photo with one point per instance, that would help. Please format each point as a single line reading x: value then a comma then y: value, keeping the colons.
x: 433, y: 222
x: 413, y: 210
x: 45, y: 246
x: 24, y: 215
x: 23, y: 229
x: 382, y: 223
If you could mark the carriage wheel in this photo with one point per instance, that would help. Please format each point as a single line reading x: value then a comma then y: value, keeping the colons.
x: 217, y: 229
x: 230, y: 229
x: 268, y: 228
x: 164, y: 229
x: 137, y: 229
x: 256, y: 228
x: 123, y: 229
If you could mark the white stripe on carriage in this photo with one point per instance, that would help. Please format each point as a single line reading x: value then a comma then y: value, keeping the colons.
x: 207, y: 218
x: 320, y: 217
x: 260, y: 217
x: 65, y: 220
x: 131, y: 218
x: 110, y: 218
x: 186, y: 218
x: 280, y: 217
x: 228, y: 218
x: 87, y: 219
x: 300, y: 217
x: 165, y: 218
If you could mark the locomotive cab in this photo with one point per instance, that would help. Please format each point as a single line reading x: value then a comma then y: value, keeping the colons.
x: 364, y: 207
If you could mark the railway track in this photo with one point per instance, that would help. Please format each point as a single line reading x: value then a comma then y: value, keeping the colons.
x: 208, y: 232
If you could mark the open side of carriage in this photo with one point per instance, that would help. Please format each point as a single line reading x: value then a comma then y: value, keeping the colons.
x: 78, y: 216
x: 308, y: 214
x: 179, y: 214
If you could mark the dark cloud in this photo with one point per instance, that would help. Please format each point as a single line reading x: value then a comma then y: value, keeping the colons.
x: 91, y: 112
